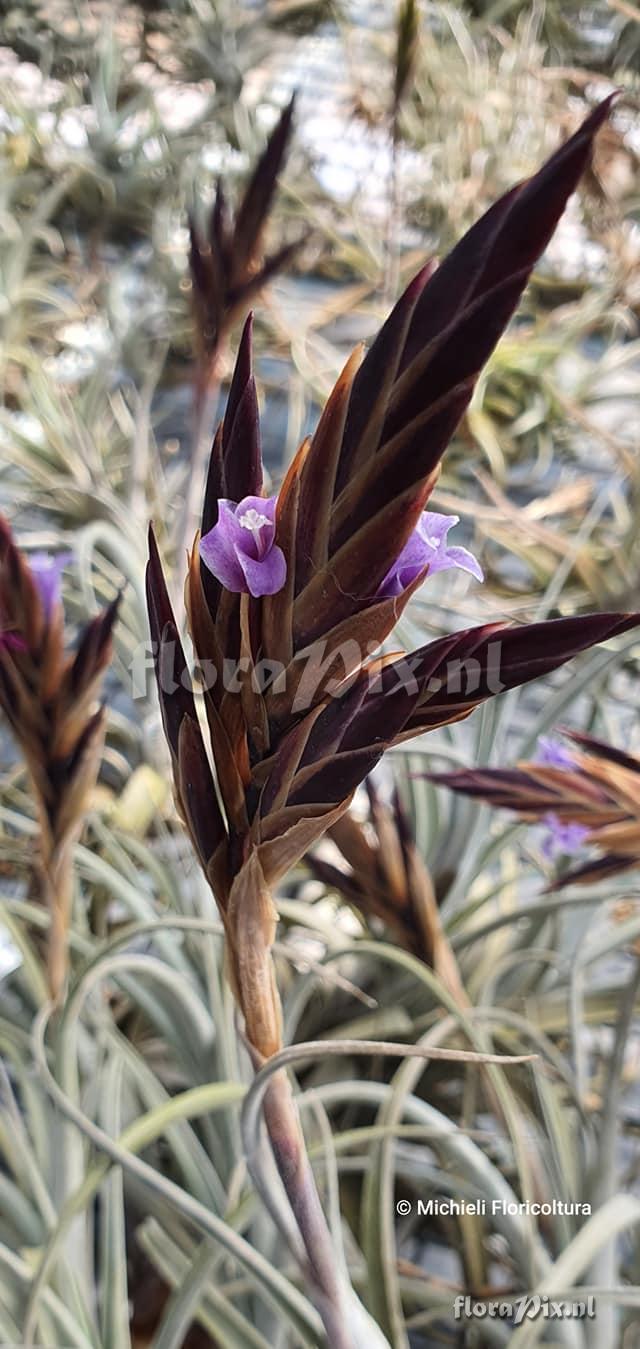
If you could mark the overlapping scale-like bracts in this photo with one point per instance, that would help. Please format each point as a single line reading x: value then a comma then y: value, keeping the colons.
x: 596, y: 789
x: 288, y: 754
x: 48, y: 695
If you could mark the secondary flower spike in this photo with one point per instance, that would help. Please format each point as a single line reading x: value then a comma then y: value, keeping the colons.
x: 586, y: 795
x: 49, y: 698
x: 226, y: 254
x: 289, y: 752
x: 384, y: 876
x: 228, y: 270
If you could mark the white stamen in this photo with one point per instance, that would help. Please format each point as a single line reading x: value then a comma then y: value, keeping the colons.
x: 252, y: 519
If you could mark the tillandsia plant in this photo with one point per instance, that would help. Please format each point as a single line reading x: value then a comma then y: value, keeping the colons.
x: 586, y: 795
x: 49, y: 699
x: 227, y: 272
x: 290, y: 599
x: 387, y: 880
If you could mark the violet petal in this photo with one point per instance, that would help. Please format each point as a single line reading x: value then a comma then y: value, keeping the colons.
x: 218, y: 549
x: 553, y: 754
x: 563, y: 836
x: 240, y: 549
x: 427, y: 547
x: 46, y: 569
x: 457, y: 557
x: 265, y: 576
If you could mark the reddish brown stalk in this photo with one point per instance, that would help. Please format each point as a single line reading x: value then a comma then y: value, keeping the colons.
x: 290, y: 1153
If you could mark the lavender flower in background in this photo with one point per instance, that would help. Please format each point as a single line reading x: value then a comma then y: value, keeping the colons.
x: 48, y: 697
x: 240, y: 549
x: 562, y: 837
x: 427, y: 548
x: 47, y: 569
x: 553, y: 754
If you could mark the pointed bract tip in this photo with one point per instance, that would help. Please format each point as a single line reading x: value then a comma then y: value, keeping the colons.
x: 115, y: 603
x: 5, y: 530
x: 154, y: 553
x: 419, y: 281
x: 595, y: 119
x: 287, y: 111
x: 599, y: 114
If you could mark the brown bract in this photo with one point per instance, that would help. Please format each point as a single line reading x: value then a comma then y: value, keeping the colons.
x: 387, y: 879
x: 287, y: 757
x: 48, y: 696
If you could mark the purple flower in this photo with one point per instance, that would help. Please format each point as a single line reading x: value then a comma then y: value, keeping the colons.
x: 563, y: 836
x: 46, y: 570
x: 553, y: 754
x: 240, y: 549
x: 427, y: 547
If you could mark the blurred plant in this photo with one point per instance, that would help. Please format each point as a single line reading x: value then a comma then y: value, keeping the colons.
x: 227, y: 272
x: 388, y: 881
x: 226, y: 269
x: 283, y: 595
x: 48, y: 699
x: 587, y: 797
x: 462, y: 120
x: 407, y: 35
x: 602, y: 39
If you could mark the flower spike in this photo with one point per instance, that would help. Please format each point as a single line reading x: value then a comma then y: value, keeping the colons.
x: 290, y: 599
x: 49, y: 699
x: 586, y: 795
x: 227, y: 270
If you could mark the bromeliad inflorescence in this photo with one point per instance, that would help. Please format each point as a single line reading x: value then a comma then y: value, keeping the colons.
x: 586, y: 795
x: 290, y: 600
x: 49, y: 699
x: 309, y: 584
